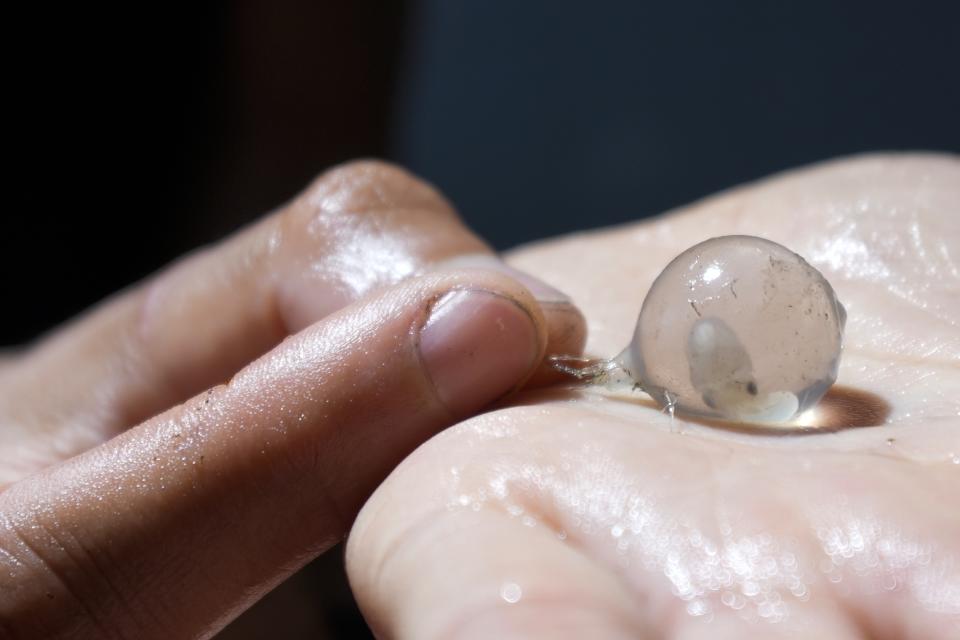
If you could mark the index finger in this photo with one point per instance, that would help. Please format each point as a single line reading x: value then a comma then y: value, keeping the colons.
x: 201, y: 510
x: 355, y: 230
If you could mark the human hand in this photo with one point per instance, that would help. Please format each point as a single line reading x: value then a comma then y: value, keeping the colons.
x: 169, y: 529
x: 570, y: 514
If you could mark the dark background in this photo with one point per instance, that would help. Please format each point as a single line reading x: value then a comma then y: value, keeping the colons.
x: 135, y: 134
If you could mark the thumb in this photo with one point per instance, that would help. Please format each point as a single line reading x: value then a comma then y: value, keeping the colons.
x: 204, y: 508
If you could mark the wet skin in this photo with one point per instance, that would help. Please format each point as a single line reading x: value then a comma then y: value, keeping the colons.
x: 572, y: 513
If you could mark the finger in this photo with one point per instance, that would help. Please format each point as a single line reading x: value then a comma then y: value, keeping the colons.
x: 482, y: 575
x: 450, y: 546
x: 357, y: 229
x: 199, y: 511
x: 500, y: 578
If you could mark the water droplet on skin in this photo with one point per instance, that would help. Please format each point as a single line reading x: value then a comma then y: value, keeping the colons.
x: 511, y: 592
x: 889, y: 582
x: 698, y: 608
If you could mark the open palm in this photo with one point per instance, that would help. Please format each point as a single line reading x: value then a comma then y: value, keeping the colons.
x: 572, y: 513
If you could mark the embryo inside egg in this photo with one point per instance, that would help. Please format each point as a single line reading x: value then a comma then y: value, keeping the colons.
x: 738, y: 327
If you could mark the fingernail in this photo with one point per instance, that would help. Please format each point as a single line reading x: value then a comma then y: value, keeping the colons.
x: 476, y: 346
x: 542, y: 291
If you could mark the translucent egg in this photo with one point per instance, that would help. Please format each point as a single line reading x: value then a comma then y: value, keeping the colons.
x: 736, y: 327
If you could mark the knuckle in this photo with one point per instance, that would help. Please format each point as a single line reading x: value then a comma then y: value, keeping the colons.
x: 374, y: 204
x: 372, y: 187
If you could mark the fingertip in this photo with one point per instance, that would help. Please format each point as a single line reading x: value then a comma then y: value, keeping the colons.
x: 564, y: 325
x: 476, y: 346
